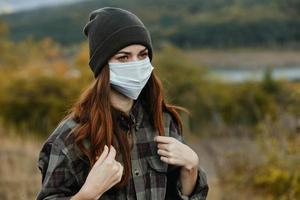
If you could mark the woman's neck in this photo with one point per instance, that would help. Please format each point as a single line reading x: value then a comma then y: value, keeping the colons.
x: 121, y: 101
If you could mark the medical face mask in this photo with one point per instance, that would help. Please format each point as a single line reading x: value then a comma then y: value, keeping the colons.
x: 130, y: 78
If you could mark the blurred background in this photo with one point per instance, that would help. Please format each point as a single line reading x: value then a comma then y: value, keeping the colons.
x: 235, y: 64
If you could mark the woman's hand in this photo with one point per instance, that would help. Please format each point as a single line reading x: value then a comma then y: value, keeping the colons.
x: 105, y: 173
x: 172, y: 151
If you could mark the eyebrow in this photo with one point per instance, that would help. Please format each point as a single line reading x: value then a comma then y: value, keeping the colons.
x: 128, y: 53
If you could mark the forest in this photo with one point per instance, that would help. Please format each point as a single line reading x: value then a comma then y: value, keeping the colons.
x: 187, y: 24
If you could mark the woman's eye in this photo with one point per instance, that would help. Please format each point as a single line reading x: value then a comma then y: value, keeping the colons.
x: 123, y: 58
x: 144, y: 55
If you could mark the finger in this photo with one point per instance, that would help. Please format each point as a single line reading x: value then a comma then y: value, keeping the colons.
x: 112, y: 153
x: 164, y: 139
x: 103, y: 155
x: 163, y: 152
x: 171, y: 161
x: 163, y: 146
x: 166, y: 160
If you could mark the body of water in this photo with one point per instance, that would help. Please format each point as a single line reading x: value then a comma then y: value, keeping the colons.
x: 240, y: 75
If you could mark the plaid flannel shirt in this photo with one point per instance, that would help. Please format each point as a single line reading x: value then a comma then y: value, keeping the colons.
x: 64, y: 167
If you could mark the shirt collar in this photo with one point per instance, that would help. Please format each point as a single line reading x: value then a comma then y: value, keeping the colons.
x: 134, y: 118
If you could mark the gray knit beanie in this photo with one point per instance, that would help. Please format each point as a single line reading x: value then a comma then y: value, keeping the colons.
x: 111, y: 29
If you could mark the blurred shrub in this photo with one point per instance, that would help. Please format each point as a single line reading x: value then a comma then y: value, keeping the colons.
x: 244, y: 104
x: 217, y: 102
x: 36, y: 103
x: 40, y: 81
x: 38, y: 86
x: 277, y: 181
x: 279, y: 176
x: 274, y: 171
x: 182, y: 81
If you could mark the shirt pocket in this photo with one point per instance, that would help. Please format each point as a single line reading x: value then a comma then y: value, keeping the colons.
x: 156, y: 164
x: 156, y: 178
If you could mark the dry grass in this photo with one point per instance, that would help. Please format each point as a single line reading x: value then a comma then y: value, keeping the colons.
x: 19, y: 174
x: 216, y: 156
x: 20, y: 177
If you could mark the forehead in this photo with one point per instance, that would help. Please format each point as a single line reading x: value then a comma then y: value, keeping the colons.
x: 134, y: 48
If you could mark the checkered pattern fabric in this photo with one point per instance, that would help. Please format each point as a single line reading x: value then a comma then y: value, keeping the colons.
x: 64, y: 167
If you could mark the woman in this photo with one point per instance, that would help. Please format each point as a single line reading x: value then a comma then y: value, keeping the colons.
x: 120, y: 140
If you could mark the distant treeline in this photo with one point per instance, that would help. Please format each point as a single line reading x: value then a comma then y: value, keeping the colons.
x: 232, y: 34
x: 189, y: 24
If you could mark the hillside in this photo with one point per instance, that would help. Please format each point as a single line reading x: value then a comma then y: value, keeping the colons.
x: 192, y: 24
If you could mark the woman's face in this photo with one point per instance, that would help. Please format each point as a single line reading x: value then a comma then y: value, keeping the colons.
x: 130, y: 53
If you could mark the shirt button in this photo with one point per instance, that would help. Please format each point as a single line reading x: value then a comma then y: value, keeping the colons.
x: 136, y: 172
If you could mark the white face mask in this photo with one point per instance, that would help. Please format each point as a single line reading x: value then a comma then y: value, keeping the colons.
x: 130, y: 78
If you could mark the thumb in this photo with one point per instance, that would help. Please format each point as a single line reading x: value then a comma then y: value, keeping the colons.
x: 102, y: 156
x: 112, y: 153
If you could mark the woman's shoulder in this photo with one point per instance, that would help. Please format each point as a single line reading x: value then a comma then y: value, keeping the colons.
x: 169, y: 118
x: 62, y: 142
x: 60, y: 158
x: 61, y: 135
x: 172, y: 125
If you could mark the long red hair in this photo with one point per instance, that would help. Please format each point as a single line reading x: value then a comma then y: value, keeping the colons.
x: 96, y: 122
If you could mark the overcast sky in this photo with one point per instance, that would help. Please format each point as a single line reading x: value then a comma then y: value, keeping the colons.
x: 8, y: 6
